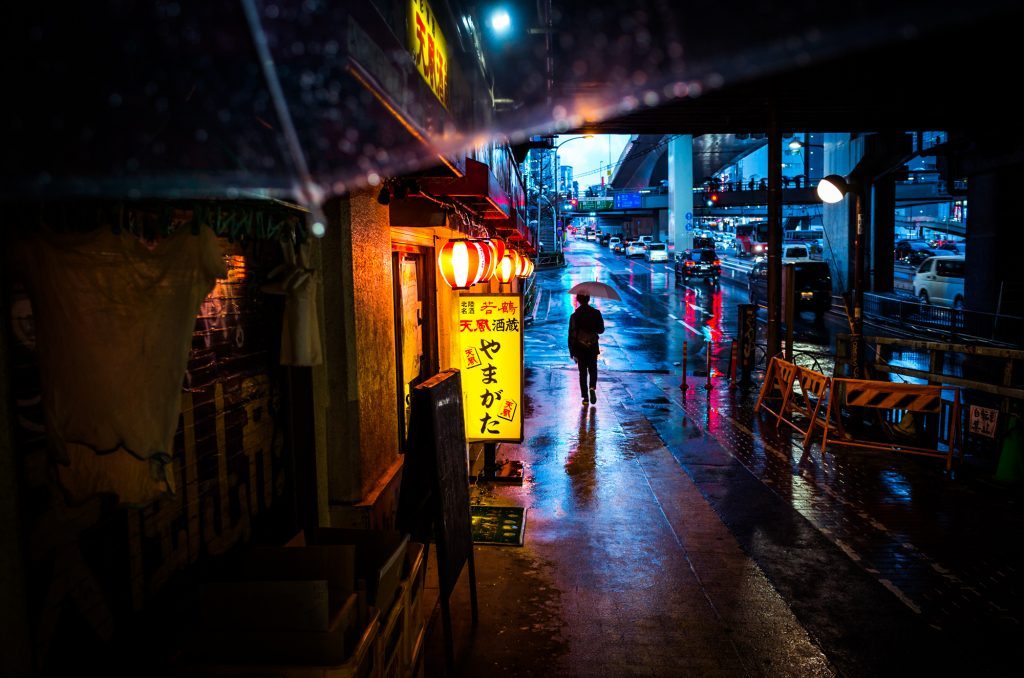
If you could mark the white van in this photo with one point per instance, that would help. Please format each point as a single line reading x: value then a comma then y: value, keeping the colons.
x: 940, y: 280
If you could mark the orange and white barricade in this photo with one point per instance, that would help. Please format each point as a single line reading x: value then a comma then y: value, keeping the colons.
x: 900, y: 399
x: 780, y: 382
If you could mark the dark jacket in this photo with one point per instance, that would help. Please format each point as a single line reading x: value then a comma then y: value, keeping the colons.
x: 584, y: 326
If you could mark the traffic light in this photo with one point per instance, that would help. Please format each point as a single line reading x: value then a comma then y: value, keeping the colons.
x: 712, y: 199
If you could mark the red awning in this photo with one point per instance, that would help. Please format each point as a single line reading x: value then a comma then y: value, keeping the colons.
x: 478, y: 190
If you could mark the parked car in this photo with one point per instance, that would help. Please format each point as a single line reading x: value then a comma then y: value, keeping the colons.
x: 656, y: 252
x: 615, y: 245
x: 698, y: 263
x: 792, y: 252
x: 813, y: 286
x: 940, y: 280
x: 635, y: 249
x: 904, y: 248
x: 917, y: 257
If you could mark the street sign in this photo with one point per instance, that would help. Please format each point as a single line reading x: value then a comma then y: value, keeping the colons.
x: 983, y: 421
x: 594, y: 204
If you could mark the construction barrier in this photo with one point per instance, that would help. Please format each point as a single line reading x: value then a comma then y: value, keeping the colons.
x: 901, y: 399
x: 779, y: 383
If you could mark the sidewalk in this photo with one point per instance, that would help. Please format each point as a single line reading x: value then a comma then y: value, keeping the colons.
x: 666, y: 538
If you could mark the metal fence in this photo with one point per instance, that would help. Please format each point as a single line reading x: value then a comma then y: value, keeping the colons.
x: 953, y: 321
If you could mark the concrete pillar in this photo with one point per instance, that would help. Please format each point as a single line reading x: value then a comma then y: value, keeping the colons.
x: 842, y: 153
x: 680, y: 192
x: 354, y: 390
x: 994, y: 239
x: 883, y: 234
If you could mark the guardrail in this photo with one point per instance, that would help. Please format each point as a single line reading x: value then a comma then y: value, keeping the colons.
x: 954, y: 321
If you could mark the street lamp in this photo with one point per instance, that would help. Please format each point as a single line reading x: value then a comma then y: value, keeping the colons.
x: 832, y: 189
x: 554, y: 225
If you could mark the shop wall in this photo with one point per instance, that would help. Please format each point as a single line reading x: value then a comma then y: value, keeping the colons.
x: 355, y: 388
x: 114, y: 587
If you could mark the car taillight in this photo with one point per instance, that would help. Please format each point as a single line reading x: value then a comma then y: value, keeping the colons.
x: 689, y: 263
x: 717, y: 262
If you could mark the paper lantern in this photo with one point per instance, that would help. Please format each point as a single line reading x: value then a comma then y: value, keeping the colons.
x: 490, y: 259
x: 506, y: 267
x: 527, y: 268
x: 461, y: 263
x: 499, y: 247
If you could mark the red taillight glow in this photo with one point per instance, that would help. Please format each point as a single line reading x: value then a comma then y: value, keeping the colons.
x: 689, y: 263
x: 717, y: 262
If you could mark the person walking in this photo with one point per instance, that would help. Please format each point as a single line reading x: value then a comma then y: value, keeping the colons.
x: 585, y: 324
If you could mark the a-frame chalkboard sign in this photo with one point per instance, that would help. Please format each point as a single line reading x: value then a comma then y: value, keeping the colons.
x: 434, y: 500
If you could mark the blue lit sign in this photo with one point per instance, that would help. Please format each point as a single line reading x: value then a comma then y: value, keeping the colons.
x: 627, y: 200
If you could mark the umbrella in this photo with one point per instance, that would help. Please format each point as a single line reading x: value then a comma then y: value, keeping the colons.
x: 595, y: 289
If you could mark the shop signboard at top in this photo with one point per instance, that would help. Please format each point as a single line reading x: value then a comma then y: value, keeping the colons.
x: 428, y: 48
x: 491, y: 360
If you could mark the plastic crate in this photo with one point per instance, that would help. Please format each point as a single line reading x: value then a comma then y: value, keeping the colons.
x: 415, y: 620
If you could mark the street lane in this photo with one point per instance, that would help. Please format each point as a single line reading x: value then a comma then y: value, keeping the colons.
x: 646, y: 330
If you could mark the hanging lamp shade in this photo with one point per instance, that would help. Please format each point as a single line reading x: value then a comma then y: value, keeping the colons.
x: 490, y: 261
x: 530, y: 266
x: 499, y: 247
x: 520, y: 263
x: 461, y: 263
x: 527, y: 268
x: 506, y: 268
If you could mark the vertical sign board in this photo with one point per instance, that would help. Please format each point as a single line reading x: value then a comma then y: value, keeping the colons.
x: 428, y: 48
x: 491, y: 360
x: 434, y: 499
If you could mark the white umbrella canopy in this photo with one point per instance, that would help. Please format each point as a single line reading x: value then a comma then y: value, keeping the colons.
x: 597, y: 289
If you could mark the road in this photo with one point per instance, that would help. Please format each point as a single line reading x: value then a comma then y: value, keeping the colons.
x: 646, y: 330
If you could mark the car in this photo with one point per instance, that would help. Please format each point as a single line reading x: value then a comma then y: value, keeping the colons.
x: 603, y: 239
x: 792, y: 252
x: 904, y: 248
x: 940, y: 280
x: 590, y: 235
x: 698, y: 263
x: 701, y: 242
x: 917, y: 257
x: 616, y: 245
x: 634, y: 249
x: 813, y: 286
x: 656, y: 252
x: 644, y: 239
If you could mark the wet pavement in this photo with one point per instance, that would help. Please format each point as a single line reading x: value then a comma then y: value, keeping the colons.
x: 673, y: 534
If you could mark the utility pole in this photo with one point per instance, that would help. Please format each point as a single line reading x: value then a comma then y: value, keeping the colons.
x: 774, y: 233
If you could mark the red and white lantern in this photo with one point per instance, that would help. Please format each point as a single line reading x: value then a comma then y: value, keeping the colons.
x: 461, y: 263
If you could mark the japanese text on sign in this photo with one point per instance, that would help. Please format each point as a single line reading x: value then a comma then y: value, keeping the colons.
x: 490, y: 343
x: 428, y: 48
x: 983, y: 421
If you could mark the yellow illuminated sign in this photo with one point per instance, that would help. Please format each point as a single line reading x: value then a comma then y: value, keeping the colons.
x: 428, y: 48
x: 491, y: 348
